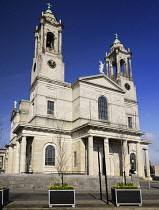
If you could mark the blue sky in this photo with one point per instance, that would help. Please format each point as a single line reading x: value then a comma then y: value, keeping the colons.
x: 89, y: 28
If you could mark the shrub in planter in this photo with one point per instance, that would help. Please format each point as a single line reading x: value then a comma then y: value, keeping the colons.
x: 4, y: 195
x: 128, y: 194
x: 61, y: 195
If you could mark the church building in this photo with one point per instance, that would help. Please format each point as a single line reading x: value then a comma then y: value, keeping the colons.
x: 63, y: 127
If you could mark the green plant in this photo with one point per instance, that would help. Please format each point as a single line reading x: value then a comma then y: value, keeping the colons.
x: 1, y: 188
x: 60, y: 186
x: 129, y: 185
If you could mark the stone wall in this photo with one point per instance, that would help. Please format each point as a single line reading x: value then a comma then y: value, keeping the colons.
x: 42, y: 181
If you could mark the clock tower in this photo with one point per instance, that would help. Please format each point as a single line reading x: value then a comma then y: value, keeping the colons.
x: 47, y: 74
x: 48, y: 61
x: 119, y: 68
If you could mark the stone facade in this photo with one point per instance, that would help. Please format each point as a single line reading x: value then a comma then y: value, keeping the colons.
x: 63, y: 127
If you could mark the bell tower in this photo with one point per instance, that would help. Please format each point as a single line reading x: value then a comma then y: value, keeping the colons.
x: 48, y: 61
x: 119, y: 68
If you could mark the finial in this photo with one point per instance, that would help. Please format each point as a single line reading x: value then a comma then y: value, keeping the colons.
x: 49, y: 8
x: 116, y: 39
x: 15, y: 104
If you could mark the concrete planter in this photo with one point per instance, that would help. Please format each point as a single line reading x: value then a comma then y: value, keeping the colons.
x: 61, y: 198
x: 4, y: 196
x: 126, y: 197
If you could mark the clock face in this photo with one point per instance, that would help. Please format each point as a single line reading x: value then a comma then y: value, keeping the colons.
x: 127, y: 86
x: 51, y: 63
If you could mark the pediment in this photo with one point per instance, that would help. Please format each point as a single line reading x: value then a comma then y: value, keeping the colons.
x: 102, y: 80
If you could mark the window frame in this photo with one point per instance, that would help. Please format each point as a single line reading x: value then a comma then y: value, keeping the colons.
x: 50, y: 107
x: 102, y: 108
x: 130, y: 122
x: 50, y: 161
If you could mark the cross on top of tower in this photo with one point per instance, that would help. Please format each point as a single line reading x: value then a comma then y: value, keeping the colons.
x: 49, y: 8
x: 49, y: 5
x: 116, y: 36
x: 116, y: 39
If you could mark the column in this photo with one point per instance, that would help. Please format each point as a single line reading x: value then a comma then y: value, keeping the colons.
x: 111, y: 70
x: 10, y: 157
x: 126, y: 68
x: 43, y: 42
x: 17, y: 157
x: 107, y: 68
x: 23, y: 155
x: 126, y: 162
x: 60, y: 41
x: 117, y: 64
x: 130, y: 67
x: 147, y: 163
x: 13, y: 157
x: 36, y: 40
x: 139, y: 160
x: 90, y: 155
x: 56, y: 44
x: 106, y: 150
x: 112, y: 165
x: 143, y: 162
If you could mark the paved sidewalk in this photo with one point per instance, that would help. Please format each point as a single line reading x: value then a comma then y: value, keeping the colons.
x: 21, y: 199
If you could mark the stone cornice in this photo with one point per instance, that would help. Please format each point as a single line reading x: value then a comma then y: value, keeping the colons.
x: 130, y: 101
x: 105, y: 126
x: 38, y: 127
x: 108, y: 127
x: 145, y: 141
x: 45, y: 79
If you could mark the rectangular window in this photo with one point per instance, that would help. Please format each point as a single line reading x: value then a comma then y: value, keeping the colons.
x: 129, y: 122
x: 75, y: 158
x: 50, y: 107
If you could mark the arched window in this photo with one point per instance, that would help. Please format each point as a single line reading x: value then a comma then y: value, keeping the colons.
x: 50, y: 155
x: 102, y: 108
x: 122, y: 66
x: 50, y: 41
